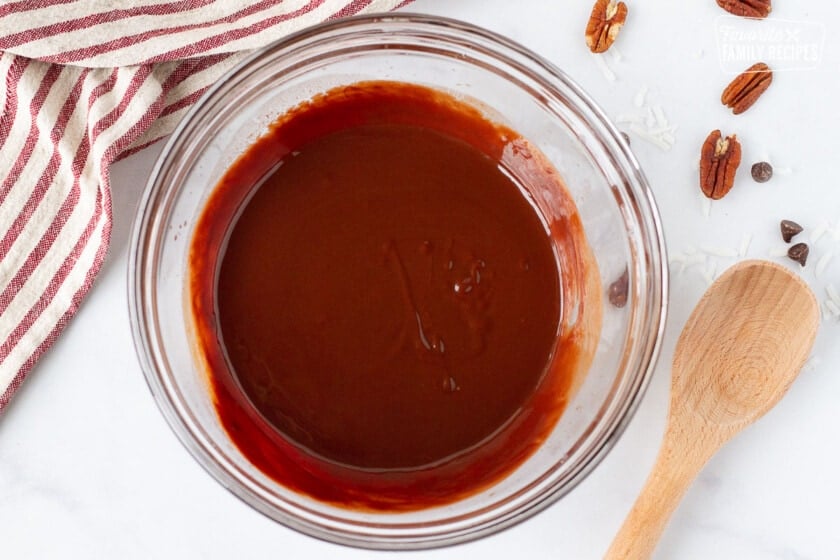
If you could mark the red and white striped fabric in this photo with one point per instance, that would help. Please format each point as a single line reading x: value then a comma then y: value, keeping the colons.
x: 83, y: 83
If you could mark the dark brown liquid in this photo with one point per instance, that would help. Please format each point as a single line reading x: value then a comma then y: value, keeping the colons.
x: 388, y: 300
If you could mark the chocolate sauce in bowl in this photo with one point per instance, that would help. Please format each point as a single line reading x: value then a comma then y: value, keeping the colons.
x: 379, y: 301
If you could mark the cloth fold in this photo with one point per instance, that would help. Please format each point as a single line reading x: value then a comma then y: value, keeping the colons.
x: 83, y: 84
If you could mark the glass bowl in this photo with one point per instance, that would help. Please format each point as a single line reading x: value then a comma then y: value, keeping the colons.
x: 511, y: 86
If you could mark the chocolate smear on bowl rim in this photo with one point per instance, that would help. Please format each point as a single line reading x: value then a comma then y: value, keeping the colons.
x: 626, y: 137
x: 619, y: 289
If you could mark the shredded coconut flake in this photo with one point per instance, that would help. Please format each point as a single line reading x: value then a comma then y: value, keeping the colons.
x: 657, y: 141
x: 641, y: 95
x: 832, y: 293
x: 822, y: 264
x: 721, y: 251
x: 661, y: 130
x: 659, y: 114
x: 779, y: 252
x: 706, y: 202
x: 709, y: 273
x: 605, y: 69
x: 745, y: 245
x: 649, y: 123
x: 687, y: 261
x: 819, y: 232
x: 833, y: 308
x: 626, y: 118
x: 615, y: 53
x: 695, y: 260
x: 650, y: 118
x: 812, y: 363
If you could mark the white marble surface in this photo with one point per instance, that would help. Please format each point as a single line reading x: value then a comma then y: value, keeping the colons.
x: 89, y: 469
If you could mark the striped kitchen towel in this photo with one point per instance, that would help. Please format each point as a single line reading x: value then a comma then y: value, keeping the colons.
x: 84, y: 83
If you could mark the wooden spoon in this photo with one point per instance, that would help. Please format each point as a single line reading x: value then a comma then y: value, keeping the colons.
x: 740, y: 350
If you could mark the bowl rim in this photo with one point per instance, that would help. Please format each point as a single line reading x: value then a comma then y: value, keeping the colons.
x: 186, y: 430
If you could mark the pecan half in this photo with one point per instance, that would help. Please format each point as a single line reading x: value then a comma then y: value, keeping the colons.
x: 719, y: 160
x: 605, y: 22
x: 747, y: 8
x: 744, y: 90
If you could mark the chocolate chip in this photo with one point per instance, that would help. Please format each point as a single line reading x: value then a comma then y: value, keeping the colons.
x: 789, y: 230
x: 799, y: 253
x: 762, y: 172
x: 619, y: 289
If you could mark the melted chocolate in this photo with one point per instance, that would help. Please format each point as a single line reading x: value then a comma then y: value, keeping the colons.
x: 379, y: 303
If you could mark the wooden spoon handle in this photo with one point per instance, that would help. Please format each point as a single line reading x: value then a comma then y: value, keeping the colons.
x: 677, y: 465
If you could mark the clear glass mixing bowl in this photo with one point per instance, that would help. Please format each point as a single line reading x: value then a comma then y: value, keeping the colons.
x: 512, y: 86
